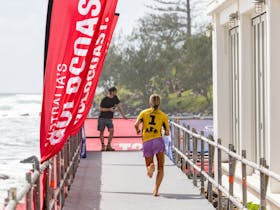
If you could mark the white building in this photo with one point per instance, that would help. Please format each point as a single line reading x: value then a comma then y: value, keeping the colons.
x: 246, y: 82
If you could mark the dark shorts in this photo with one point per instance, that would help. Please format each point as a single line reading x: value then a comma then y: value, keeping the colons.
x: 103, y: 122
x: 153, y: 147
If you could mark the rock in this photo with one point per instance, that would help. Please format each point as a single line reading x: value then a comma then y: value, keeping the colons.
x: 25, y: 114
x: 30, y: 159
x: 3, y: 176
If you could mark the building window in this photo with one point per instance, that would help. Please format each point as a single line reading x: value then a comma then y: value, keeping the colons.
x: 259, y: 38
x: 234, y: 66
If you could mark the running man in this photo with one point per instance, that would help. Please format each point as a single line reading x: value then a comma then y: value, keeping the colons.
x: 153, y: 121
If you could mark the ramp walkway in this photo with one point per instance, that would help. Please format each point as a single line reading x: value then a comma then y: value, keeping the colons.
x: 118, y: 181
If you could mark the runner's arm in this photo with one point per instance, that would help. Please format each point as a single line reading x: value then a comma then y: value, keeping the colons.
x: 136, y: 125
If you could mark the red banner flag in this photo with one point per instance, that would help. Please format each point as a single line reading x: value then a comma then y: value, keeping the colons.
x: 112, y: 29
x: 80, y: 118
x: 99, y: 54
x: 116, y: 17
x: 78, y: 37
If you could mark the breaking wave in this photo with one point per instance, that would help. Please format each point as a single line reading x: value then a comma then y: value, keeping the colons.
x: 20, y: 105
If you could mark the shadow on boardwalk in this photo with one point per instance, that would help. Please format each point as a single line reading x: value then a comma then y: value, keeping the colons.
x: 118, y: 181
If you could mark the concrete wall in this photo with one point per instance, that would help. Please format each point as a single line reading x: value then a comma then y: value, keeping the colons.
x: 273, y: 55
x: 220, y: 11
x: 221, y: 88
x: 246, y: 86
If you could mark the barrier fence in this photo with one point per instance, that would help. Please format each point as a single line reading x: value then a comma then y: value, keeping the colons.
x: 192, y: 158
x: 59, y: 174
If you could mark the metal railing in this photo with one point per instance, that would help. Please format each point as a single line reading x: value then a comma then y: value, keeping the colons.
x: 57, y: 174
x: 192, y: 160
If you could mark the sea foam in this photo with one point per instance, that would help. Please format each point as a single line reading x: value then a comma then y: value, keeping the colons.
x: 19, y: 129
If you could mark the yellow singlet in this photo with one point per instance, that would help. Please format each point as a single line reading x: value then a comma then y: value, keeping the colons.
x: 152, y: 123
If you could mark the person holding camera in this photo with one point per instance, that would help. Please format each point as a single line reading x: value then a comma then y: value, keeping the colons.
x: 105, y: 119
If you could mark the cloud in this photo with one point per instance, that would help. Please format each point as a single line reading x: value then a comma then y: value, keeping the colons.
x: 22, y: 34
x: 22, y: 26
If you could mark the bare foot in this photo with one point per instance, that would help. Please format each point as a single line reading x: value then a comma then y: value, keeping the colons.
x: 151, y: 170
x: 155, y: 193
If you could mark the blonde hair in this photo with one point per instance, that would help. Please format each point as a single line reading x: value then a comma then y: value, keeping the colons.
x: 154, y: 101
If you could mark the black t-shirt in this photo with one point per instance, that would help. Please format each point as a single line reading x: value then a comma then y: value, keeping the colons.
x: 108, y: 102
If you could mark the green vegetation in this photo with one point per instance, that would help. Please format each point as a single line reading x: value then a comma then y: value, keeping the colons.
x: 187, y: 102
x: 253, y: 206
x: 161, y: 56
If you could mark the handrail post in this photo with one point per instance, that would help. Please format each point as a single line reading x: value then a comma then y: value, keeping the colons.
x: 77, y: 143
x: 52, y: 186
x: 47, y: 198
x: 232, y: 162
x: 71, y: 154
x: 180, y: 159
x: 188, y: 153
x: 244, y: 180
x: 74, y: 143
x: 194, y: 158
x: 37, y: 187
x: 210, y: 169
x: 58, y: 175
x: 184, y: 151
x: 263, y: 185
x: 67, y: 165
x: 63, y: 169
x: 12, y: 194
x: 79, y: 157
x: 28, y: 196
x: 202, y: 190
x: 176, y: 143
x: 219, y: 154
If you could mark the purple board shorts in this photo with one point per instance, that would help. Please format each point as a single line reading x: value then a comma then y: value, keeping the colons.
x: 152, y: 147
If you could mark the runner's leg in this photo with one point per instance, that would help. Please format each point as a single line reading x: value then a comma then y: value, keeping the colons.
x: 160, y: 172
x: 150, y: 166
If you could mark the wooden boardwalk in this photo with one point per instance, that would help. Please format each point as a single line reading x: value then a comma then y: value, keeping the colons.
x: 118, y: 181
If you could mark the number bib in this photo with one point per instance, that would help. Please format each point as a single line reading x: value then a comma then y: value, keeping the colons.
x: 153, y: 122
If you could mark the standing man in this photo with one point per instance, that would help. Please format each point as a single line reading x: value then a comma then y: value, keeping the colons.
x: 107, y: 108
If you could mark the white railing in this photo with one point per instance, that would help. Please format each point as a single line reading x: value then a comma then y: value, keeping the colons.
x: 192, y: 160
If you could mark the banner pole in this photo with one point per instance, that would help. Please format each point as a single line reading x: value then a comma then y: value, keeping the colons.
x: 47, y: 32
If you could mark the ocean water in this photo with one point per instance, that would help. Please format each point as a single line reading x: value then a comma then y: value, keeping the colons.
x: 19, y: 137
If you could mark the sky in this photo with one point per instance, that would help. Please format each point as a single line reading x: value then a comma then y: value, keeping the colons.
x: 22, y: 35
